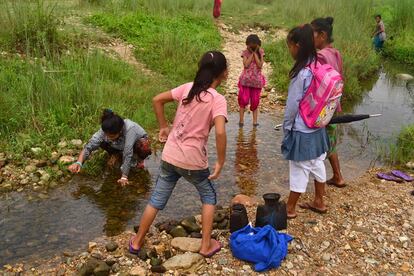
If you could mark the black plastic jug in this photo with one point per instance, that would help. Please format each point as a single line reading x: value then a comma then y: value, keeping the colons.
x: 273, y: 212
x: 238, y: 217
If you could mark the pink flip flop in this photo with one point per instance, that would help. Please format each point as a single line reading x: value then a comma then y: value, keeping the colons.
x: 211, y: 254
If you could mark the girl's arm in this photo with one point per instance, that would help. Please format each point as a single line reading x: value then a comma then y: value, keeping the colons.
x: 158, y: 103
x: 247, y: 61
x: 91, y: 146
x: 258, y: 60
x: 221, y: 144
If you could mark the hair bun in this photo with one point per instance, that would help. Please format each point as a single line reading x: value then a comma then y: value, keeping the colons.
x: 330, y: 20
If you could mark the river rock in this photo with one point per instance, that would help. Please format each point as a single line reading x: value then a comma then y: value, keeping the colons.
x: 91, y: 246
x: 62, y: 144
x: 219, y: 216
x: 155, y: 262
x: 158, y: 269
x: 41, y: 163
x: 54, y: 157
x: 167, y: 226
x: 89, y: 267
x: 111, y: 246
x: 178, y: 231
x: 196, y: 235
x: 183, y: 261
x: 66, y: 159
x: 223, y: 225
x: 30, y: 168
x: 142, y: 254
x: 24, y: 181
x: 186, y: 244
x: 76, y: 142
x: 191, y: 225
x: 138, y: 271
x: 36, y: 151
x: 45, y: 177
x: 406, y: 77
x: 115, y: 268
x: 110, y: 260
x: 102, y: 269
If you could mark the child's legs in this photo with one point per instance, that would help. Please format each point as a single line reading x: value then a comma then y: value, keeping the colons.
x: 318, y: 171
x: 208, y: 197
x: 298, y: 181
x: 243, y: 99
x: 164, y: 186
x: 254, y: 98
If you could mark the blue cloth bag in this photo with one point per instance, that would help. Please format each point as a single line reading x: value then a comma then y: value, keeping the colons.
x: 262, y: 246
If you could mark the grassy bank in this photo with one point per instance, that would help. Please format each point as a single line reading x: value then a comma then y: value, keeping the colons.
x: 52, y: 87
x: 352, y: 26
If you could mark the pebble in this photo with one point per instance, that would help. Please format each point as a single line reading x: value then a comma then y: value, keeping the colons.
x: 406, y: 225
x: 405, y: 267
x: 403, y: 239
x: 91, y: 246
x: 111, y: 246
x: 289, y: 265
x: 36, y: 151
x: 223, y: 261
x: 30, y: 168
x: 183, y: 261
x: 62, y: 144
x: 76, y: 142
x: 66, y: 159
x: 137, y: 271
x: 347, y: 247
x: 326, y: 257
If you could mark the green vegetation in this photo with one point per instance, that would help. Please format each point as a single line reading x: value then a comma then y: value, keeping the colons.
x: 402, y: 151
x: 53, y: 88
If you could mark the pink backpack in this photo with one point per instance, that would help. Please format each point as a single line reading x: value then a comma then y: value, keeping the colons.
x: 322, y: 97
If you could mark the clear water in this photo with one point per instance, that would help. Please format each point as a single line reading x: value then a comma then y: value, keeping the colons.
x: 32, y: 228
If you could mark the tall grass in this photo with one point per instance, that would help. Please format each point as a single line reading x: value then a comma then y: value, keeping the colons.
x: 401, y: 151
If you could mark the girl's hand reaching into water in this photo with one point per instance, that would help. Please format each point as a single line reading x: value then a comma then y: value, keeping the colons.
x: 74, y: 168
x: 163, y: 134
x: 217, y: 170
x: 123, y: 181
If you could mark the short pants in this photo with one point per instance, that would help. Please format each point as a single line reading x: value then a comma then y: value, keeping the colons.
x: 299, y: 172
x: 168, y: 177
x: 249, y: 95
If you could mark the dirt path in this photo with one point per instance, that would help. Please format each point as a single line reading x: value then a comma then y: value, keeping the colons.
x: 234, y: 44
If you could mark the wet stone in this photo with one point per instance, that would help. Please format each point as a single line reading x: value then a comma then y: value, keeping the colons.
x: 155, y: 262
x: 102, y: 269
x: 142, y: 254
x: 178, y: 231
x: 111, y: 246
x: 158, y: 269
x: 190, y: 225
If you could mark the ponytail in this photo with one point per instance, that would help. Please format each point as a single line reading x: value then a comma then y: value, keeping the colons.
x: 111, y: 122
x: 210, y: 67
x: 303, y: 36
x: 324, y: 25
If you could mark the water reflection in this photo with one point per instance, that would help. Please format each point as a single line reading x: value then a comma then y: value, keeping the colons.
x: 247, y: 162
x: 119, y: 204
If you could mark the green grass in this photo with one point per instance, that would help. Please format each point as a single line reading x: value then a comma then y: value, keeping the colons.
x: 168, y: 45
x: 401, y: 151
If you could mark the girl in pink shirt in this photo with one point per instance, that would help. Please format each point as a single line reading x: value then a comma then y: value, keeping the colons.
x: 322, y: 30
x: 251, y: 80
x: 200, y: 107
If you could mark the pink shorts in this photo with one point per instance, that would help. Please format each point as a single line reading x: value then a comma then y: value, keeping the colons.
x: 249, y: 95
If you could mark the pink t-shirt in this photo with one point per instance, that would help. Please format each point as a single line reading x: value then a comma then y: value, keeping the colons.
x: 186, y: 145
x: 331, y: 56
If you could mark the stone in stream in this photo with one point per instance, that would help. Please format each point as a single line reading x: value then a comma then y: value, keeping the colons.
x: 406, y: 77
x: 111, y: 246
x: 190, y: 225
x: 178, y: 231
x: 183, y: 261
x: 186, y: 244
x: 102, y: 269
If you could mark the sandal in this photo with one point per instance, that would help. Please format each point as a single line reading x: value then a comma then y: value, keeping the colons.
x: 291, y: 217
x: 402, y: 175
x: 308, y: 206
x: 330, y: 182
x: 131, y: 249
x: 388, y: 177
x: 211, y: 254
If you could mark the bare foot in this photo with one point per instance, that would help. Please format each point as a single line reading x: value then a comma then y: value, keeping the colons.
x: 215, y: 246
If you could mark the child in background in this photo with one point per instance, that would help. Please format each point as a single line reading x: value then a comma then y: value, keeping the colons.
x: 305, y: 148
x: 322, y: 30
x: 379, y: 33
x: 200, y: 107
x: 251, y: 80
x: 122, y: 139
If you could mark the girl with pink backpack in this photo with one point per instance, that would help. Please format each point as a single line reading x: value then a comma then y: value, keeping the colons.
x: 305, y: 142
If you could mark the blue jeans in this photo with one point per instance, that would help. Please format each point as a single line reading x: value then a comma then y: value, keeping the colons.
x: 168, y: 177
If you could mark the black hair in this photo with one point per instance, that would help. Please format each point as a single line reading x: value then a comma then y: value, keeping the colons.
x: 254, y: 39
x: 111, y: 123
x: 378, y: 15
x: 303, y: 36
x: 210, y: 67
x: 324, y: 25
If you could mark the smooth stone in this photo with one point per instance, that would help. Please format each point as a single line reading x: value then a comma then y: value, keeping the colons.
x: 36, y: 151
x: 155, y: 262
x: 41, y: 164
x: 142, y: 254
x: 45, y: 177
x: 110, y: 261
x: 66, y: 159
x: 178, y: 231
x: 190, y: 225
x: 158, y: 269
x: 183, y: 261
x: 115, y: 268
x: 196, y: 235
x: 91, y: 246
x: 111, y: 246
x: 186, y: 244
x: 88, y: 268
x: 326, y: 257
x: 30, y: 168
x: 406, y: 77
x: 102, y: 269
x: 62, y: 144
x: 76, y: 142
x: 138, y: 271
x: 152, y: 254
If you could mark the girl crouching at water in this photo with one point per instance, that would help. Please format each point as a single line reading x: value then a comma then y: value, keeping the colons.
x: 305, y: 148
x: 200, y: 107
x: 122, y: 139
